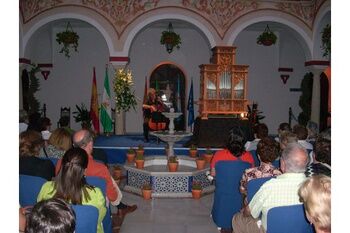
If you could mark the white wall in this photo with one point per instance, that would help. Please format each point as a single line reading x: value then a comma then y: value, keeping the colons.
x: 264, y: 84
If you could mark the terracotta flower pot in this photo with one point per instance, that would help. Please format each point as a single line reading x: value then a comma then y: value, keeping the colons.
x: 173, y: 167
x: 140, y: 164
x: 196, y: 194
x: 117, y: 172
x: 147, y: 194
x: 208, y: 157
x: 193, y: 153
x: 140, y: 152
x: 200, y: 164
x: 130, y: 157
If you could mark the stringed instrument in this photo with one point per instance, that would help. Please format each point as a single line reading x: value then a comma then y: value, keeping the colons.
x: 157, y: 120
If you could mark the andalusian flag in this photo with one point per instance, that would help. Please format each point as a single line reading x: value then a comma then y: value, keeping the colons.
x: 94, y: 106
x: 106, y: 115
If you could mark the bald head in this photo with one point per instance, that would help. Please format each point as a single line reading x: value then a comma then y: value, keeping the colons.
x: 294, y: 159
x: 83, y: 139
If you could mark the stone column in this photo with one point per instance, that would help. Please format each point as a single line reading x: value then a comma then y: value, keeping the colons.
x: 119, y: 63
x: 316, y: 67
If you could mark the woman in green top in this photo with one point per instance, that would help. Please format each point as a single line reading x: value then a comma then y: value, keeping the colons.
x: 70, y: 185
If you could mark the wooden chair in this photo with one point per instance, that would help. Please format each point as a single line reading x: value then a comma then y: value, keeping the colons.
x: 65, y: 113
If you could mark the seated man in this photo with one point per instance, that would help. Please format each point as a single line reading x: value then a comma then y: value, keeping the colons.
x: 281, y: 191
x: 84, y: 140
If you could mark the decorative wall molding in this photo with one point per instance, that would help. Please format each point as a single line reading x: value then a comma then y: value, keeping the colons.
x: 221, y: 14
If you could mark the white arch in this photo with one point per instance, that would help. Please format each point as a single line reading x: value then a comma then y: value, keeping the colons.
x: 154, y: 18
x: 243, y: 23
x: 57, y: 16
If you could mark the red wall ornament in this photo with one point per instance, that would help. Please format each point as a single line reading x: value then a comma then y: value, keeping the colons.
x: 284, y: 78
x: 45, y: 74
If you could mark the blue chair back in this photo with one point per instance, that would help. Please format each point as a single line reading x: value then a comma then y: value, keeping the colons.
x: 255, y: 157
x: 254, y: 185
x: 227, y: 198
x: 86, y: 218
x: 288, y: 219
x: 101, y: 183
x: 53, y: 160
x: 277, y: 163
x: 29, y: 188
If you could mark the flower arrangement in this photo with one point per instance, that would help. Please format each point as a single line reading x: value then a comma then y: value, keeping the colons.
x: 326, y: 40
x: 124, y: 96
x: 69, y: 39
x: 267, y: 38
x: 196, y: 185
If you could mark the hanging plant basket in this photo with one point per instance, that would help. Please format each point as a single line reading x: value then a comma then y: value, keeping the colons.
x: 267, y: 38
x: 69, y: 39
x: 326, y: 40
x: 170, y: 39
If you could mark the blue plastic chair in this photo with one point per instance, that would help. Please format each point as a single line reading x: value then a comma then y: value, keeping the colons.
x: 86, y: 218
x: 288, y: 219
x: 255, y: 157
x: 227, y: 198
x: 254, y: 185
x: 277, y: 163
x: 29, y: 188
x: 101, y: 183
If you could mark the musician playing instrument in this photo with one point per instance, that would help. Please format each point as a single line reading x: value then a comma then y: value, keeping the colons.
x: 153, y: 105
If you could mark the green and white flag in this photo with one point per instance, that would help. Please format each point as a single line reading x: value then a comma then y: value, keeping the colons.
x: 106, y: 116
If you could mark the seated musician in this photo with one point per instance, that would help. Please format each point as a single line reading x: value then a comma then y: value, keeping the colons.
x: 152, y: 113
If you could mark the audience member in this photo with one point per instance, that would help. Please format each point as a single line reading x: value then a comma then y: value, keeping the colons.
x: 45, y: 126
x: 287, y: 137
x: 281, y: 191
x: 315, y: 193
x: 51, y: 216
x: 260, y: 131
x: 267, y: 152
x: 34, y: 121
x: 30, y: 143
x: 302, y: 134
x: 23, y: 120
x: 84, y: 140
x: 64, y: 123
x: 283, y: 127
x: 312, y: 131
x: 70, y: 185
x: 234, y: 150
x: 59, y: 142
x: 321, y: 156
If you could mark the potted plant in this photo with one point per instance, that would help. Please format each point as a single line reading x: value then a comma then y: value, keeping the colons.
x: 117, y: 171
x: 173, y: 163
x: 130, y: 155
x: 147, y: 191
x: 193, y: 151
x: 69, y: 39
x: 267, y: 38
x: 140, y: 150
x: 170, y: 39
x: 200, y: 161
x: 326, y: 40
x: 196, y: 189
x: 208, y: 155
x: 140, y: 161
x: 82, y: 115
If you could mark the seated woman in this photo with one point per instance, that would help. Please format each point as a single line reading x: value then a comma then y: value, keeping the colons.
x: 283, y: 127
x: 267, y: 151
x: 260, y: 131
x: 30, y: 143
x: 59, y: 142
x: 315, y: 193
x: 70, y: 185
x: 234, y: 150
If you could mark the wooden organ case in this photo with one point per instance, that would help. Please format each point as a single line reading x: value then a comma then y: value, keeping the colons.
x: 223, y: 84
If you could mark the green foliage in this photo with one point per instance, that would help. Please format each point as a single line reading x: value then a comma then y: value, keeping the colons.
x: 170, y: 37
x: 326, y: 40
x: 124, y: 97
x: 139, y: 156
x: 173, y: 159
x: 267, y: 35
x: 305, y: 99
x: 69, y: 39
x: 140, y: 147
x: 82, y: 115
x: 196, y: 185
x: 208, y: 151
x: 147, y: 187
x: 131, y: 151
x: 34, y: 86
x: 254, y: 115
x: 193, y: 147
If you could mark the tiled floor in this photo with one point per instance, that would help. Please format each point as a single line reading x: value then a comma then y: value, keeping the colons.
x: 168, y: 215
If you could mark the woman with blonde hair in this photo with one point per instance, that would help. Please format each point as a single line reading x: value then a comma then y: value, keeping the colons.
x: 59, y: 142
x: 315, y: 193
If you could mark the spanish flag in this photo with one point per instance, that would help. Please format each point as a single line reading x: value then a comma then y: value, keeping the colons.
x: 94, y: 106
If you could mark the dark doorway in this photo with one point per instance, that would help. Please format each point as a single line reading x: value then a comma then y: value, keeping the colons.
x: 324, y: 114
x: 169, y: 82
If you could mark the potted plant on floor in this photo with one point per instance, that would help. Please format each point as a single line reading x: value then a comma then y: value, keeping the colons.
x: 173, y: 163
x: 140, y: 149
x: 130, y: 155
x: 200, y: 163
x: 208, y: 155
x: 117, y: 172
x: 193, y: 151
x: 147, y: 191
x: 140, y: 161
x: 196, y: 190
x: 82, y: 115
